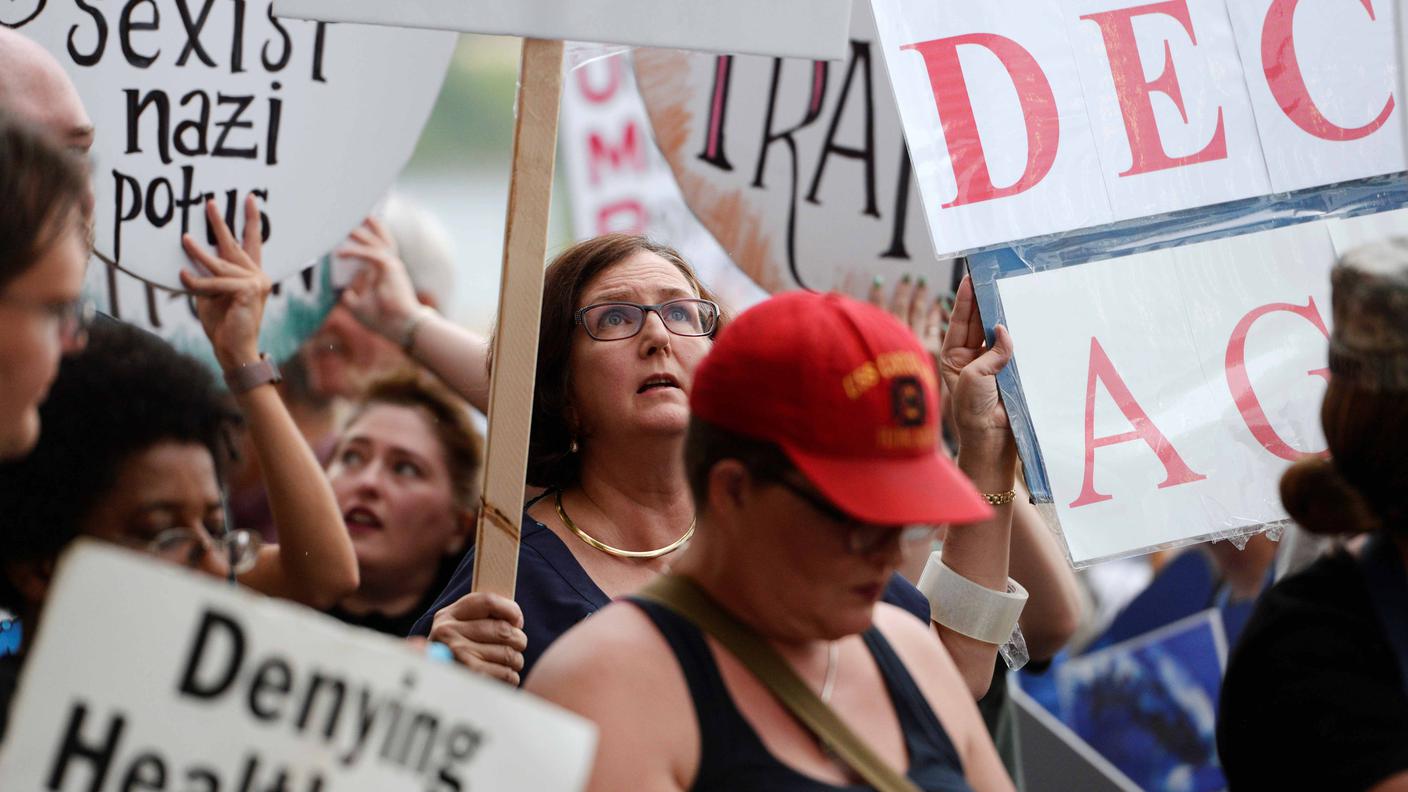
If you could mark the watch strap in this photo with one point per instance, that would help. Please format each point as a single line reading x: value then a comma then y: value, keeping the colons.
x: 245, y: 378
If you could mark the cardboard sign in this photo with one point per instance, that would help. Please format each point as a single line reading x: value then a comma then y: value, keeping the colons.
x: 1168, y: 390
x: 184, y: 682
x: 798, y: 168
x: 793, y: 28
x: 619, y: 182
x: 199, y: 100
x: 1032, y: 118
x: 1053, y: 758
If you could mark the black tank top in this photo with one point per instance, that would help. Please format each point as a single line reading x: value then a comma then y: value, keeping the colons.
x: 732, y: 758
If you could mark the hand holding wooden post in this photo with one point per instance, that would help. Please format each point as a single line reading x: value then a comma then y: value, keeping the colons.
x: 785, y: 28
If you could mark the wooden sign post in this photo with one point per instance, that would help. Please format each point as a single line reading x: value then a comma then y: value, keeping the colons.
x: 785, y: 28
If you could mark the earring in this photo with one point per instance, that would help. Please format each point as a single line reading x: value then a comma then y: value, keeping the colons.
x: 572, y: 449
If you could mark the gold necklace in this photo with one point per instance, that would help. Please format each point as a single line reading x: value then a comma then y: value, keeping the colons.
x: 606, y: 548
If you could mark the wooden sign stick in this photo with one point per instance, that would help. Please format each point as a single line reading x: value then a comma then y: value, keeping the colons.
x: 520, y: 303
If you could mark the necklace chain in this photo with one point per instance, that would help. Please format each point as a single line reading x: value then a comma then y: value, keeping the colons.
x: 608, y: 549
x: 832, y: 667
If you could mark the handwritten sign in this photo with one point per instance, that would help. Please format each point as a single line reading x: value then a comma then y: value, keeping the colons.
x: 186, y: 683
x: 797, y: 167
x: 195, y: 99
x: 1033, y: 118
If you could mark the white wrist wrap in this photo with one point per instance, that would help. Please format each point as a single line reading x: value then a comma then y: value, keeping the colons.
x: 968, y: 608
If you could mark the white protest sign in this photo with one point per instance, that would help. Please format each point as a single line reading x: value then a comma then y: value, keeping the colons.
x: 998, y: 101
x: 183, y: 682
x: 198, y: 99
x: 798, y: 168
x: 1168, y: 390
x: 794, y: 28
x: 619, y: 182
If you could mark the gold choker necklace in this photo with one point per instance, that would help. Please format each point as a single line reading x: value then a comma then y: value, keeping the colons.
x: 606, y: 548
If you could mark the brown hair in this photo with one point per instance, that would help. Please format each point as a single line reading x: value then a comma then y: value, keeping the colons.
x: 42, y: 191
x: 551, y: 462
x: 1363, y: 486
x: 707, y: 444
x: 460, y: 443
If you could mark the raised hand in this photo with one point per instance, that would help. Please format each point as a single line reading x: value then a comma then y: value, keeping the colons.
x: 969, y: 370
x: 230, y: 297
x: 381, y: 295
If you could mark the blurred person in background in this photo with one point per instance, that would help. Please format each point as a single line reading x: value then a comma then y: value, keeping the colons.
x: 1316, y: 691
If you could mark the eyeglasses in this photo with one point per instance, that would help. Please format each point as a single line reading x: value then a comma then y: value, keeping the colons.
x: 71, y: 319
x: 617, y: 321
x: 864, y: 538
x: 188, y: 546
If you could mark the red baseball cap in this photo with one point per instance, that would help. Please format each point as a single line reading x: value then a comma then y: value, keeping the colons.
x: 850, y: 396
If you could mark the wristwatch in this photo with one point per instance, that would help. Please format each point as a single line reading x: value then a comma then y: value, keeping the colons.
x: 245, y: 378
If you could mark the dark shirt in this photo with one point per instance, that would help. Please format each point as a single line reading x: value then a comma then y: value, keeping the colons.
x: 733, y: 758
x: 555, y: 592
x: 399, y: 624
x: 1313, y: 698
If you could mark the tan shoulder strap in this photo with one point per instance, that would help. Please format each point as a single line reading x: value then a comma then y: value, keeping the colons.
x: 686, y: 598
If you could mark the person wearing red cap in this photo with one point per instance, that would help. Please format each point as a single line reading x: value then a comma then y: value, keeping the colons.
x: 815, y: 461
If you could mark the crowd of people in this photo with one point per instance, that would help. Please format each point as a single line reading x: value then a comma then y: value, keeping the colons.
x: 801, y: 530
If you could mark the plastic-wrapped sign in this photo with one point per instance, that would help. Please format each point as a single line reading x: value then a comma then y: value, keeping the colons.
x: 620, y: 183
x: 797, y: 167
x: 184, y: 682
x: 1032, y: 118
x: 222, y: 100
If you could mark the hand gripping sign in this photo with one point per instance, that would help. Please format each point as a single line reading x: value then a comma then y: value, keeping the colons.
x: 197, y: 99
x: 184, y: 682
x: 798, y: 28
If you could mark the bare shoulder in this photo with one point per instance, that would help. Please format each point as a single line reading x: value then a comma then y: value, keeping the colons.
x: 916, y: 642
x: 617, y: 670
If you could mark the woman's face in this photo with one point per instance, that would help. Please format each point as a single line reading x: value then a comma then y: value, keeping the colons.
x: 393, y: 487
x: 639, y: 385
x: 169, y: 485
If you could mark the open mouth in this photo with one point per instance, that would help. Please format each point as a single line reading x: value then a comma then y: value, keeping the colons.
x: 361, y: 519
x: 657, y: 382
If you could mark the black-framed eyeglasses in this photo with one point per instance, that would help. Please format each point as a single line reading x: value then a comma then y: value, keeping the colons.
x: 863, y: 538
x: 71, y: 318
x: 617, y: 321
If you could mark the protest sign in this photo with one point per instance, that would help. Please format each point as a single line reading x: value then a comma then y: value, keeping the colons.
x: 619, y: 182
x: 185, y: 682
x: 790, y: 27
x: 1026, y: 119
x: 797, y: 167
x: 1053, y: 758
x: 221, y: 100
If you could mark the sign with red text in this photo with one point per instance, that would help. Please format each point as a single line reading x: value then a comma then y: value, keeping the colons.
x: 1169, y: 390
x: 619, y: 183
x: 798, y: 168
x: 1027, y: 118
x: 198, y: 100
x: 185, y: 682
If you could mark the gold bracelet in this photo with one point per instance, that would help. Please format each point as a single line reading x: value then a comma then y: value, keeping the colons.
x: 1000, y: 498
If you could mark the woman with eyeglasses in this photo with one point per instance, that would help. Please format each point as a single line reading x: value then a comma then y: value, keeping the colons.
x: 135, y: 441
x: 624, y: 324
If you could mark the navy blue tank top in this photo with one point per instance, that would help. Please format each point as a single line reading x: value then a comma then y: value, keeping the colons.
x: 732, y: 758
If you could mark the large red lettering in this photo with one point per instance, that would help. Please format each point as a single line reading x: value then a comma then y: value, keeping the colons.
x: 1133, y: 90
x: 1241, y: 386
x: 1283, y: 75
x: 628, y: 154
x: 1103, y: 371
x: 965, y: 149
x: 592, y: 93
x: 622, y: 217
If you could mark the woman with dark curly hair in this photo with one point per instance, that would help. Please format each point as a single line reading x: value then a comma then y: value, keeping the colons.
x: 1316, y: 693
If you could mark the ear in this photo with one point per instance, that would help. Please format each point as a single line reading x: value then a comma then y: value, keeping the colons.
x: 730, y: 485
x: 31, y: 579
x: 466, y: 523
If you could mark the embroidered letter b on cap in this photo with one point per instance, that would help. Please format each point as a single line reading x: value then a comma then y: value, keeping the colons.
x: 850, y: 395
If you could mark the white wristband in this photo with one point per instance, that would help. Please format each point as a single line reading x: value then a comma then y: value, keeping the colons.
x: 968, y: 608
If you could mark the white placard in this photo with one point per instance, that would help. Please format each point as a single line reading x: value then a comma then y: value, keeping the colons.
x: 789, y: 28
x: 183, y: 682
x: 1323, y: 79
x: 994, y: 116
x: 619, y: 182
x: 1169, y: 390
x: 223, y: 100
x: 1168, y: 106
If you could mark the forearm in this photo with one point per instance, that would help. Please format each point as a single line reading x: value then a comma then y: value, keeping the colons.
x: 1053, y: 609
x: 979, y: 552
x: 315, y: 563
x: 456, y: 355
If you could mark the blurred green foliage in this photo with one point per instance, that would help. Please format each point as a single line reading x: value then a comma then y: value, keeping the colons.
x: 472, y: 124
